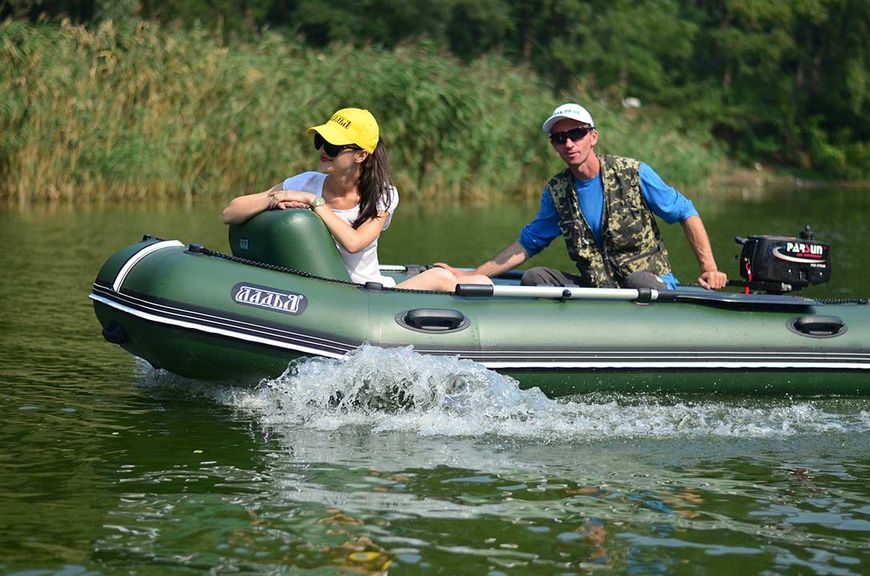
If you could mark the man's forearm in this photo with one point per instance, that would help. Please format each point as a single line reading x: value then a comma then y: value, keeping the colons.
x: 696, y: 234
x: 509, y: 258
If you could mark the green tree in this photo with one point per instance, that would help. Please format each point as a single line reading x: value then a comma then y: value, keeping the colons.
x: 478, y: 27
x: 232, y: 17
x: 639, y: 48
x: 77, y: 10
x: 832, y: 86
x: 787, y: 81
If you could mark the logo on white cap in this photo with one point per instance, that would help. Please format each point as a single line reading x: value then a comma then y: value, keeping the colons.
x: 570, y: 110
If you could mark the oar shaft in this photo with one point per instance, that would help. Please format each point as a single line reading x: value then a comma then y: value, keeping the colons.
x: 560, y: 292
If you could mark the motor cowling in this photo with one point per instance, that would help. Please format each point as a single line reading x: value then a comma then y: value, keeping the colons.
x: 780, y: 264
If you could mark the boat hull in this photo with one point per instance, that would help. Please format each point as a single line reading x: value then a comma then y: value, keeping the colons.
x: 211, y: 317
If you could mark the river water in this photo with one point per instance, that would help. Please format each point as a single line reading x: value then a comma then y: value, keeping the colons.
x: 109, y: 467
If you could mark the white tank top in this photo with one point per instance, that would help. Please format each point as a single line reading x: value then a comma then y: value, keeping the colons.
x: 362, y: 266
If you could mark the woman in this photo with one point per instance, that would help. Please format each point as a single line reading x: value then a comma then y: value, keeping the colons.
x: 352, y: 193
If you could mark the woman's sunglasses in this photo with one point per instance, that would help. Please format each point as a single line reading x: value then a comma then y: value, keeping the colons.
x: 331, y: 150
x: 572, y: 134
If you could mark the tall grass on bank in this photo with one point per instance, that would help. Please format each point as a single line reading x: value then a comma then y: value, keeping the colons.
x: 139, y: 111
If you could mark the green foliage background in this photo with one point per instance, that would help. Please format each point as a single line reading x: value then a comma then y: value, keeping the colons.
x: 120, y: 111
x: 202, y: 97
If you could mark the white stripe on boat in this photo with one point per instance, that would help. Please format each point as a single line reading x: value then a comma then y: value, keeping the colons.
x: 135, y: 258
x: 155, y: 309
x: 214, y: 330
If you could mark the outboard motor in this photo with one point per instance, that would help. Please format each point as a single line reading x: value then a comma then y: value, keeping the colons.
x: 778, y: 264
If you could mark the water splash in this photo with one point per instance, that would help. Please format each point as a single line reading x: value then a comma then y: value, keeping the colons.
x: 397, y: 389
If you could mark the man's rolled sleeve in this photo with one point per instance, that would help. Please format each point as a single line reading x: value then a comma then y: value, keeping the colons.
x: 663, y: 199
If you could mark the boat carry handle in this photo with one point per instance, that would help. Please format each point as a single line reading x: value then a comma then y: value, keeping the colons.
x: 434, y: 319
x: 818, y: 326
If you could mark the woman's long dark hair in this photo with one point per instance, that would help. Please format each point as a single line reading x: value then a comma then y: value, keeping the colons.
x: 375, y: 185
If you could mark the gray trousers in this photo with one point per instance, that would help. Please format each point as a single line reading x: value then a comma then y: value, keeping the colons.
x: 542, y: 276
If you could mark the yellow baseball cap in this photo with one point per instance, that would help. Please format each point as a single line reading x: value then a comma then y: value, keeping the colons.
x: 350, y: 126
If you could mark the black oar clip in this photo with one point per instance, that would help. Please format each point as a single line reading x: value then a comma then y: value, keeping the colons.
x: 644, y: 296
x: 476, y: 290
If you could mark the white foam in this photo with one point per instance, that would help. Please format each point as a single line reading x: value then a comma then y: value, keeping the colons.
x: 397, y: 389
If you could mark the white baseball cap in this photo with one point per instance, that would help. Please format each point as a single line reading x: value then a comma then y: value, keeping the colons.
x: 569, y: 110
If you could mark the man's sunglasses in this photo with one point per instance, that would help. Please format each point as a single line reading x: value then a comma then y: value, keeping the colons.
x: 331, y: 150
x: 572, y: 134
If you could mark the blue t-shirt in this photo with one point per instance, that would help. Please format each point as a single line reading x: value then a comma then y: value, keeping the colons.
x: 665, y: 202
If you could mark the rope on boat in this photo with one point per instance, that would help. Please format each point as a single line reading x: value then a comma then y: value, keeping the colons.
x: 826, y: 301
x: 199, y: 249
x: 863, y: 301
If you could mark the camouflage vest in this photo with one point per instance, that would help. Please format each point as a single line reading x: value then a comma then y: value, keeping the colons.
x: 630, y: 236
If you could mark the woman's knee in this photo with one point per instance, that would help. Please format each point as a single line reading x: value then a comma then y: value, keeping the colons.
x: 440, y: 279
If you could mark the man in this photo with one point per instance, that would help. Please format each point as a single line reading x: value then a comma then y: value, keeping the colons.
x: 604, y: 207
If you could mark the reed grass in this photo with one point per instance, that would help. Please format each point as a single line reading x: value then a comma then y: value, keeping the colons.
x: 137, y: 110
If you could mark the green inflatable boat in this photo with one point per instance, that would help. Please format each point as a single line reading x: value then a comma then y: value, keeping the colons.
x: 284, y: 293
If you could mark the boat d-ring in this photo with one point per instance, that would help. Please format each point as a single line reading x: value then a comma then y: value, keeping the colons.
x: 433, y: 320
x: 817, y: 326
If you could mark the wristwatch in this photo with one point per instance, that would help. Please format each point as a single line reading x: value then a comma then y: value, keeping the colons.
x: 317, y: 202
